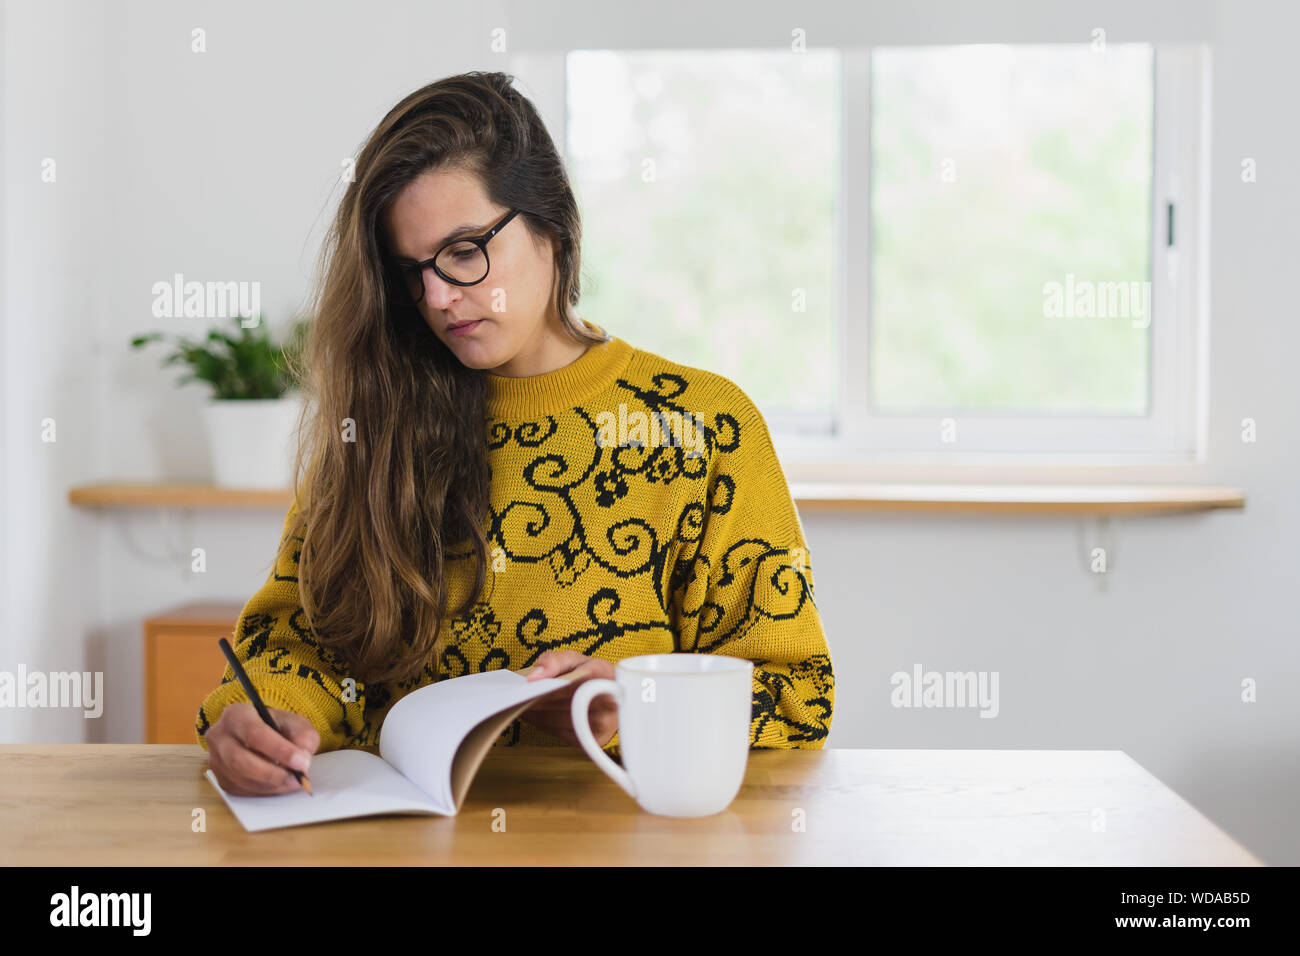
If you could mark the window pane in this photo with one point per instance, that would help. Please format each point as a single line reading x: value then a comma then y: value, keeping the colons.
x: 706, y: 181
x: 1011, y: 228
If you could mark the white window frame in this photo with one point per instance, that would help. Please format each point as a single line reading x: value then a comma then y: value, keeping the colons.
x: 1173, y: 433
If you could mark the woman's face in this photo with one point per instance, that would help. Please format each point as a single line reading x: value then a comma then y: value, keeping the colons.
x: 512, y: 305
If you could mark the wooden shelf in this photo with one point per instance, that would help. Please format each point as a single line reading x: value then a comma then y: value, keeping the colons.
x: 809, y: 496
x: 129, y: 494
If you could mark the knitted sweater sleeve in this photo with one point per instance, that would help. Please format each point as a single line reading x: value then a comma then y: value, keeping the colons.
x: 289, y: 667
x: 742, y: 583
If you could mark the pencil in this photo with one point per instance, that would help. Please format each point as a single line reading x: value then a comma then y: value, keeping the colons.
x: 256, y: 699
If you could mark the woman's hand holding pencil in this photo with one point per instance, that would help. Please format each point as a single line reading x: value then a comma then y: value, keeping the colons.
x: 250, y: 759
x: 255, y: 750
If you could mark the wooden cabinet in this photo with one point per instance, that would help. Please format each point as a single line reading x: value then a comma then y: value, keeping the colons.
x: 182, y: 665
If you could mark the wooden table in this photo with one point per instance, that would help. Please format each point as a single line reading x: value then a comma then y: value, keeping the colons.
x: 119, y: 804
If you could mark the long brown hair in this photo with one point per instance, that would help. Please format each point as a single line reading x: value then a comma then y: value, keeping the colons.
x: 380, y: 515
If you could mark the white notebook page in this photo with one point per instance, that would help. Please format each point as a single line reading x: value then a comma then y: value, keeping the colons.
x: 419, y: 739
x: 344, y: 783
x: 422, y: 731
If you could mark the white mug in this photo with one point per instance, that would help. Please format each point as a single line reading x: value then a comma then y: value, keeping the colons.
x: 683, y: 730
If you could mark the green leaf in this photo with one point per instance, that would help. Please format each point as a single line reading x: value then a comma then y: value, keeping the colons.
x: 246, y: 365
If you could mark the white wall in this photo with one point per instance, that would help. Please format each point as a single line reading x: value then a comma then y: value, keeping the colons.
x: 56, y: 67
x: 224, y: 166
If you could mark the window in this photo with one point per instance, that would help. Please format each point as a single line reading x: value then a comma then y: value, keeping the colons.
x: 706, y: 182
x: 1007, y: 183
x: 932, y: 251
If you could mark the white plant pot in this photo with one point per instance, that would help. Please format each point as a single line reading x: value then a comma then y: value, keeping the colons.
x: 252, y: 441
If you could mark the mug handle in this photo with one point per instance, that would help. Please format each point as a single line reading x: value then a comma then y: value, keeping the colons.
x: 582, y: 727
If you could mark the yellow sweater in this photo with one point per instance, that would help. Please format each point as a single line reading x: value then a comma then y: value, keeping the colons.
x: 614, y: 533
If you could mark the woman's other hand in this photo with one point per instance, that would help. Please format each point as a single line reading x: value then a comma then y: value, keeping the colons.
x: 552, y: 713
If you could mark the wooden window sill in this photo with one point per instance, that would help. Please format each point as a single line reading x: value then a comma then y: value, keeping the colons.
x: 1013, y: 498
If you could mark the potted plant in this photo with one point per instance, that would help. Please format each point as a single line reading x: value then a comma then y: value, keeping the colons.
x: 252, y: 416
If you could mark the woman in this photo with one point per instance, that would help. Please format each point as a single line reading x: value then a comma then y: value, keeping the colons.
x: 615, y: 504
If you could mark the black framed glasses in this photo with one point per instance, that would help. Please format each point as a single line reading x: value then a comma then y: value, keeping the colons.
x: 461, y: 262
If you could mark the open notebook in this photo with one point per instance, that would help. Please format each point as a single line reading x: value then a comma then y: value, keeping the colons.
x: 431, y: 744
